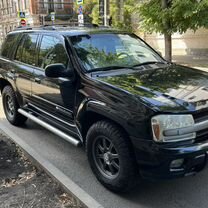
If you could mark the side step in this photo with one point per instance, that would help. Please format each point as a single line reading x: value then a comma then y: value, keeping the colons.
x: 50, y: 127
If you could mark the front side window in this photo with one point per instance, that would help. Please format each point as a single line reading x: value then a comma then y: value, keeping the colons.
x: 52, y: 51
x: 97, y: 51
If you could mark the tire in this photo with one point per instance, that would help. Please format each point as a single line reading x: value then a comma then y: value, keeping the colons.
x: 11, y: 106
x: 110, y: 156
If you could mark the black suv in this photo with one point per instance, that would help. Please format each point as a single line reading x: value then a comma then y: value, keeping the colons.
x: 135, y: 113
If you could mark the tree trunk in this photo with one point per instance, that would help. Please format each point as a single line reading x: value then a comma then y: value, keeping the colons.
x: 168, y: 47
x: 167, y: 36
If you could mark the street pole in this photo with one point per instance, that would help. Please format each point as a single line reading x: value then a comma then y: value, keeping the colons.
x: 105, y: 12
x: 101, y: 11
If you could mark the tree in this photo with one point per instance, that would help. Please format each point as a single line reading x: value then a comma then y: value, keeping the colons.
x: 115, y: 12
x: 170, y: 16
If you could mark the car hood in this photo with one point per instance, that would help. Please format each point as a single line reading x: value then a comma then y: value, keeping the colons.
x: 163, y: 87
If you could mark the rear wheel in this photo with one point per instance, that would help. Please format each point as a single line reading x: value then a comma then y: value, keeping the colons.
x: 110, y: 156
x: 11, y: 106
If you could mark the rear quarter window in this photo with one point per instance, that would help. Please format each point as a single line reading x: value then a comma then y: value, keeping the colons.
x: 8, y: 45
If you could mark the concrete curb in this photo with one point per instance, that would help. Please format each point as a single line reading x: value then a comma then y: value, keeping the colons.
x: 54, y: 172
x: 202, y: 68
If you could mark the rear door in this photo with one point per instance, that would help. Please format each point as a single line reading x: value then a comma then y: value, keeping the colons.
x: 25, y: 61
x: 7, y: 69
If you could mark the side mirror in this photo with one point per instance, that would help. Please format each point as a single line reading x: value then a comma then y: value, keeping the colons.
x: 57, y: 70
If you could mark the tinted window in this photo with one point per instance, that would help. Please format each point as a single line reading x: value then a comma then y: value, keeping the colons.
x: 18, y: 55
x: 8, y: 44
x: 29, y: 49
x: 26, y: 51
x: 52, y: 51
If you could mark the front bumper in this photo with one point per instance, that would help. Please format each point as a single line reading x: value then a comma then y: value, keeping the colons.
x: 154, y: 160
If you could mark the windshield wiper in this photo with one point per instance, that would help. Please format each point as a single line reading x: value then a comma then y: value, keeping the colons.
x: 149, y: 62
x: 108, y: 68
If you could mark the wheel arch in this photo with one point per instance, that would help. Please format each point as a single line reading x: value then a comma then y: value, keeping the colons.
x: 4, y: 83
x: 85, y: 123
x: 123, y: 178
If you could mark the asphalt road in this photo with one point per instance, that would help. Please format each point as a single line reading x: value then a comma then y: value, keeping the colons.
x: 190, y: 192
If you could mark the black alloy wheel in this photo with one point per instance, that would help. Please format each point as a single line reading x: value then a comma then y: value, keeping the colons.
x: 106, y: 157
x: 11, y: 106
x: 111, y: 157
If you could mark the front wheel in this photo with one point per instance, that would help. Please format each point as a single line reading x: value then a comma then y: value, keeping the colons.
x: 11, y: 106
x: 110, y: 156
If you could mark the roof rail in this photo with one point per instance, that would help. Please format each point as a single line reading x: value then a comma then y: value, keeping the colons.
x: 23, y: 28
x: 75, y: 24
x: 44, y: 27
x: 48, y: 27
x: 56, y: 26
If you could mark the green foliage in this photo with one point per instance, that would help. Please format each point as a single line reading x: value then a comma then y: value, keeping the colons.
x: 114, y: 12
x: 129, y: 9
x: 95, y: 15
x: 180, y: 15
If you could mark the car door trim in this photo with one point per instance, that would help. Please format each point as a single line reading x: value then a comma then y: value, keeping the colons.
x: 51, y: 103
x: 58, y: 119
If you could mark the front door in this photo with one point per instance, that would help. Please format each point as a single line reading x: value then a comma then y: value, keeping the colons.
x: 55, y: 96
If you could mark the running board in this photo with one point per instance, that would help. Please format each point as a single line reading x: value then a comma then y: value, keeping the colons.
x: 51, y: 128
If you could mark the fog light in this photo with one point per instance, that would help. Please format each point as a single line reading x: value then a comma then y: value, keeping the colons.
x: 176, y: 163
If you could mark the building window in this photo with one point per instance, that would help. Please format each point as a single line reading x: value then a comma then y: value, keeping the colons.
x: 26, y: 4
x: 14, y: 6
x: 7, y: 7
x: 51, y: 5
x: 19, y: 5
x: 59, y: 4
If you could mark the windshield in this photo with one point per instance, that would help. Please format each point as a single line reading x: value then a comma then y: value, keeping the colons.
x: 103, y: 51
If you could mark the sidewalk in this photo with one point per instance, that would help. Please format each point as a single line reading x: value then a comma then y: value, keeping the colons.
x: 23, y: 185
x: 199, y: 62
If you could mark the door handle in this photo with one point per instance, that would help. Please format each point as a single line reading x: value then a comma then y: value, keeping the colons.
x: 38, y: 80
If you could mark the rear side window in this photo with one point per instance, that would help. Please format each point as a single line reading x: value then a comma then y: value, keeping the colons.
x: 8, y: 45
x: 26, y: 51
x: 52, y: 51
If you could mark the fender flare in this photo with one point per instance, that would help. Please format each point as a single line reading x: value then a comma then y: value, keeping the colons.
x: 98, y: 107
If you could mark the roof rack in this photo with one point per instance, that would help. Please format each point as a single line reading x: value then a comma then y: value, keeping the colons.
x: 58, y: 26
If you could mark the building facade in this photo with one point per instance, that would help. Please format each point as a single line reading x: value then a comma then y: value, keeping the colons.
x: 8, y: 17
x: 62, y: 8
x: 35, y: 11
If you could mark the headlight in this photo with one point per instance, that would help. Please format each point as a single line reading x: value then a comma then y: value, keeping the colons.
x: 162, y: 123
